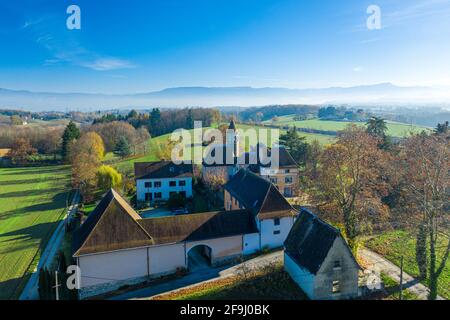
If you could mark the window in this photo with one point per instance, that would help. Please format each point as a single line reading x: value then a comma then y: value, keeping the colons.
x: 157, y: 184
x: 337, y: 264
x: 158, y: 195
x: 172, y: 183
x: 336, y: 286
x: 288, y: 180
x: 182, y: 183
x: 277, y: 232
x: 148, y: 184
x: 286, y: 171
x: 276, y: 221
x: 273, y: 180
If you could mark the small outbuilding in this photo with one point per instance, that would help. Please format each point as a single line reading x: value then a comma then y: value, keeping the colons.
x: 318, y: 259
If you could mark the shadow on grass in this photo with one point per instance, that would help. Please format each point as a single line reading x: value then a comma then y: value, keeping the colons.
x: 58, y: 202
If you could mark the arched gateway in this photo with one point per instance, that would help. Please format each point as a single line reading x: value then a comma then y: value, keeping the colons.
x: 199, y: 257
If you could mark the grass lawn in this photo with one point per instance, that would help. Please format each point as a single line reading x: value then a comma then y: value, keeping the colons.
x: 394, y: 244
x: 269, y: 284
x: 126, y: 166
x: 321, y: 138
x: 392, y: 288
x: 32, y: 202
x: 395, y: 129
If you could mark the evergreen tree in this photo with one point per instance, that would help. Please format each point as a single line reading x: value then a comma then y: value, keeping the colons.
x: 296, y: 145
x: 70, y: 134
x: 441, y: 128
x: 155, y: 122
x: 190, y: 120
x: 123, y: 148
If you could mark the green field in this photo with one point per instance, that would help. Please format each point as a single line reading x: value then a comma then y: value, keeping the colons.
x: 394, y: 244
x: 32, y: 201
x: 321, y: 138
x: 126, y: 165
x: 395, y: 129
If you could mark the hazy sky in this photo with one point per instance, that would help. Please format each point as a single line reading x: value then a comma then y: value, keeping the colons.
x: 145, y: 45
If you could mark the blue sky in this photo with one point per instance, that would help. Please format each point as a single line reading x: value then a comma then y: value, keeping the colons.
x: 145, y: 45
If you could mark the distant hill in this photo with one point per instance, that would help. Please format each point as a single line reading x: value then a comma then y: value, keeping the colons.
x: 384, y: 93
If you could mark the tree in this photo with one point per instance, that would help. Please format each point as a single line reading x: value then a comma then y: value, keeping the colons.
x: 189, y: 120
x: 71, y: 133
x: 176, y: 200
x: 21, y: 150
x: 108, y: 178
x: 90, y: 143
x: 350, y: 181
x: 122, y: 149
x: 377, y: 127
x: 87, y: 154
x: 296, y: 145
x: 425, y: 161
x: 16, y: 120
x: 442, y: 128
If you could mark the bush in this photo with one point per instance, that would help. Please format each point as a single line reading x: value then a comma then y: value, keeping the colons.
x: 108, y: 177
x: 176, y: 200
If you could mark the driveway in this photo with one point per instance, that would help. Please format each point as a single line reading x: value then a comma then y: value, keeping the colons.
x: 378, y: 264
x: 204, y: 275
x: 30, y: 292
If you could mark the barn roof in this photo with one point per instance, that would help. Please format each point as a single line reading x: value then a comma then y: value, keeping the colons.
x: 162, y: 169
x: 200, y: 226
x: 259, y: 196
x: 310, y: 240
x: 114, y: 225
x: 111, y: 226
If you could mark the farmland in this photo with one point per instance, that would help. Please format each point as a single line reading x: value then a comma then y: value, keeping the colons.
x: 32, y: 201
x: 395, y: 129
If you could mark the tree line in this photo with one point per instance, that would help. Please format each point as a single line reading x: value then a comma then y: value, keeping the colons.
x: 364, y: 182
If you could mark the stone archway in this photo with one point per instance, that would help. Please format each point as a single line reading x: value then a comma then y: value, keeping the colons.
x: 199, y: 257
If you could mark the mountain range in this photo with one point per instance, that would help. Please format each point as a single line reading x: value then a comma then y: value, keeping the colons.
x: 377, y: 94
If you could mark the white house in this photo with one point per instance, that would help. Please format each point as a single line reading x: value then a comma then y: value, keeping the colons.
x: 273, y: 214
x: 319, y: 260
x: 156, y: 181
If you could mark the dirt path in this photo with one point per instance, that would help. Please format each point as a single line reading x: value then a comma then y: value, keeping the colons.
x: 380, y: 264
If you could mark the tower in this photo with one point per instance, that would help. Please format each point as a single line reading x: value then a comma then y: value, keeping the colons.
x: 233, y: 138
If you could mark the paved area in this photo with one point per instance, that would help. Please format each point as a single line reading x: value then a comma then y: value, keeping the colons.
x: 205, y: 275
x: 30, y: 292
x: 378, y: 264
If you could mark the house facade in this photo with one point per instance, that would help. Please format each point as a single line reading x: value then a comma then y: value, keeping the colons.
x: 318, y: 259
x: 273, y: 214
x: 157, y: 181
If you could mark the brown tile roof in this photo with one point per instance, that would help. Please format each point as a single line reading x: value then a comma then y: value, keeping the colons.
x: 111, y: 226
x: 200, y: 226
x: 285, y: 159
x: 4, y: 152
x: 162, y: 169
x: 114, y: 225
x: 259, y: 196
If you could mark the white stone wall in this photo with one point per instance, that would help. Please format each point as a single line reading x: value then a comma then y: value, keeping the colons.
x: 267, y: 228
x: 166, y: 259
x: 251, y: 243
x: 112, y: 266
x: 347, y: 274
x: 302, y: 277
x: 165, y: 188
